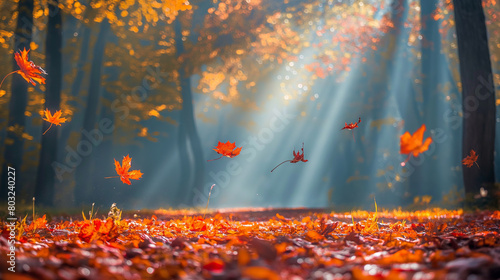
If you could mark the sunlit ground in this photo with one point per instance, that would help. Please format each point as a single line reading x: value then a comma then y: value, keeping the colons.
x: 258, y: 243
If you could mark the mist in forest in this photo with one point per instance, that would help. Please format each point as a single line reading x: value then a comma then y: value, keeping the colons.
x: 164, y: 83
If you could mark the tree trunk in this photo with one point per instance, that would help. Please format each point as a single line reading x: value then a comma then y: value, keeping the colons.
x: 19, y: 94
x: 430, y: 171
x: 104, y: 153
x: 44, y: 188
x: 76, y: 84
x: 90, y: 136
x: 190, y: 151
x: 478, y: 100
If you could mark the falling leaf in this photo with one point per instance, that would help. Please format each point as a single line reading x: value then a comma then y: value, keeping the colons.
x: 28, y: 70
x: 227, y: 149
x: 53, y: 119
x: 351, y: 126
x: 470, y: 159
x: 412, y: 144
x: 297, y: 156
x: 123, y: 172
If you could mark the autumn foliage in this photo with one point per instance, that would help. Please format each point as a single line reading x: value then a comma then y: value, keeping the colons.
x: 53, y: 119
x: 227, y: 149
x: 27, y: 69
x: 297, y: 156
x: 470, y: 159
x: 97, y: 229
x: 271, y: 244
x: 414, y: 144
x: 123, y: 172
x: 351, y: 126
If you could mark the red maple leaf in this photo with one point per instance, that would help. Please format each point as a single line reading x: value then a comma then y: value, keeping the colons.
x: 123, y: 172
x: 297, y: 156
x: 53, y: 119
x: 351, y: 126
x: 470, y: 159
x: 227, y: 149
x: 27, y: 69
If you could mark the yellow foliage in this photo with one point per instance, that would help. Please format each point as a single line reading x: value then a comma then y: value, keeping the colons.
x: 211, y: 80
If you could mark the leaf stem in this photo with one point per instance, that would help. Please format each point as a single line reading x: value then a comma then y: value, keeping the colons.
x: 280, y: 164
x: 477, y: 164
x: 47, y: 129
x: 215, y: 158
x: 111, y: 177
x: 6, y: 77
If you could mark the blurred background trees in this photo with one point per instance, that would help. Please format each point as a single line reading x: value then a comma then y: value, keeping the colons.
x: 168, y: 79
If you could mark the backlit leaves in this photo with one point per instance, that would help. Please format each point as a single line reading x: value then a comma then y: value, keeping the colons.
x: 470, y: 159
x: 297, y: 156
x: 53, y: 119
x: 227, y: 149
x: 262, y: 245
x: 28, y: 69
x: 123, y: 172
x: 414, y: 144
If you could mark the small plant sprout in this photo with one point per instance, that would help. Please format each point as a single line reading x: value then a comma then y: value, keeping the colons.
x: 33, y: 208
x: 209, y: 193
x: 91, y: 213
x: 115, y: 213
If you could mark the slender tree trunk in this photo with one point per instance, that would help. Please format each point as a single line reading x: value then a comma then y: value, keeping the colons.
x: 90, y: 137
x: 428, y: 169
x: 190, y: 151
x: 478, y: 99
x: 104, y: 153
x: 19, y: 94
x: 44, y: 189
x: 77, y: 83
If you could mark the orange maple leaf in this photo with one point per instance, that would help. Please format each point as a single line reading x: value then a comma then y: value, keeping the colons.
x: 38, y: 223
x: 412, y: 144
x: 27, y: 69
x: 123, y: 172
x: 227, y: 149
x: 96, y: 229
x: 470, y: 159
x: 297, y: 156
x: 53, y: 119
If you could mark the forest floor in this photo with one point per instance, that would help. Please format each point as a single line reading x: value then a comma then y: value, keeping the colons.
x: 256, y: 244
